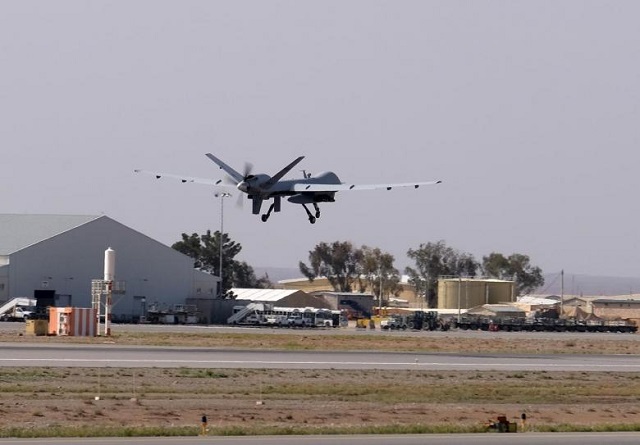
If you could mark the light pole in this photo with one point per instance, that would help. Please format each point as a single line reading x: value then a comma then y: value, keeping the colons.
x: 221, y: 196
x: 380, y: 295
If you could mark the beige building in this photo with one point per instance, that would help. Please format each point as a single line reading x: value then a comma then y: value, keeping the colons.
x: 406, y: 291
x: 473, y: 291
x: 625, y: 307
x: 497, y: 311
x: 616, y: 308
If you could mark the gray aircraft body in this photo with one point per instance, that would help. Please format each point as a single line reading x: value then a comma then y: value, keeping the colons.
x: 311, y: 189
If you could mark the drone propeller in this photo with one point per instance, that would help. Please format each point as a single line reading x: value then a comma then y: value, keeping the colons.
x: 246, y: 173
x: 248, y: 166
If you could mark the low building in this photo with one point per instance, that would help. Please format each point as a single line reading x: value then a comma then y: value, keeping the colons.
x: 497, y: 311
x: 279, y: 297
x: 616, y: 308
x: 223, y: 309
x: 404, y: 290
x: 567, y: 301
x: 529, y: 303
x: 355, y: 304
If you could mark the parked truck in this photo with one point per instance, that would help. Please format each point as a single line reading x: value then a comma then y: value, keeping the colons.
x: 394, y: 322
x: 17, y: 309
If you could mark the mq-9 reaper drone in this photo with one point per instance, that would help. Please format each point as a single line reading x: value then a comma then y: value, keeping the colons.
x: 262, y: 187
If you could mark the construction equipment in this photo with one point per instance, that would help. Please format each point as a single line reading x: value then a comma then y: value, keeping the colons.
x: 502, y: 425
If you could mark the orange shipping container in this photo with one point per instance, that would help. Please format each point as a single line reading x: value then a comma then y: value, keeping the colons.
x: 75, y: 321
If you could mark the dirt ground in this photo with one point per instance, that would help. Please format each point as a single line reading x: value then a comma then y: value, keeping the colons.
x: 45, y: 397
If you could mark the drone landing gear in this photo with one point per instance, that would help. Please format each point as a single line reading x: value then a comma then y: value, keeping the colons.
x: 265, y: 217
x: 312, y: 219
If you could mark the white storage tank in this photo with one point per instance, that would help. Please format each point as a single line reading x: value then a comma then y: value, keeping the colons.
x: 109, y: 264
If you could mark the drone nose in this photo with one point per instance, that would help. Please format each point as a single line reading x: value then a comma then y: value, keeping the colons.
x: 243, y: 186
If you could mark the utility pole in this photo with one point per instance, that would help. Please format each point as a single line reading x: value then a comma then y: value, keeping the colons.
x: 380, y: 295
x: 459, y: 290
x: 561, y: 292
x: 220, y: 241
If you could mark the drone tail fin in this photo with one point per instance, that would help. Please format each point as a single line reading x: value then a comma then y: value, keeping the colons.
x: 278, y: 176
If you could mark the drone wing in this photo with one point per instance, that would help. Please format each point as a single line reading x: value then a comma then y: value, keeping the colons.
x: 184, y: 179
x: 311, y: 187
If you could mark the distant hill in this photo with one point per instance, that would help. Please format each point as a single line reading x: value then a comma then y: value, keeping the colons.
x: 589, y: 285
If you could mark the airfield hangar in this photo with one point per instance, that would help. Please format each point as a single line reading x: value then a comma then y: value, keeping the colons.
x: 61, y: 254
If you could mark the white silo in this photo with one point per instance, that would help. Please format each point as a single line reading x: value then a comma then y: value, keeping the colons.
x: 109, y: 264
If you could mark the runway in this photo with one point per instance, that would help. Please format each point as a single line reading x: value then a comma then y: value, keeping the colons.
x: 34, y: 355
x: 437, y: 439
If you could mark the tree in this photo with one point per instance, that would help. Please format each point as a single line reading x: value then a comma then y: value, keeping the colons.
x: 496, y: 265
x: 205, y: 250
x: 338, y: 261
x: 377, y: 269
x: 515, y: 267
x: 433, y: 260
x: 243, y: 275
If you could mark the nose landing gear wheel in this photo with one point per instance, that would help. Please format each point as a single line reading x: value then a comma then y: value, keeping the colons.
x: 265, y: 218
x: 312, y: 219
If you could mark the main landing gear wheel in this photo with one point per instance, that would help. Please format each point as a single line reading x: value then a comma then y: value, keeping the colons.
x: 265, y: 217
x: 312, y: 219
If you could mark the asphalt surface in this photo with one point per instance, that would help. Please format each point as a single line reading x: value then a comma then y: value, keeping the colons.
x: 438, y: 439
x: 73, y: 355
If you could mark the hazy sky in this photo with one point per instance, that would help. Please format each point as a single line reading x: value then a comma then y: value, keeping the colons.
x: 527, y: 110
